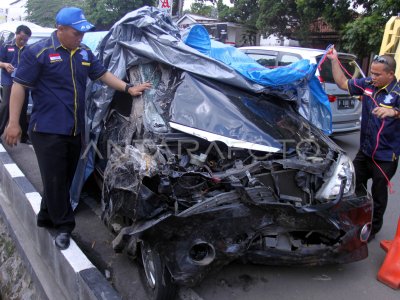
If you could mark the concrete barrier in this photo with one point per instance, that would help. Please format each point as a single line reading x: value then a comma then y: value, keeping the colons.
x: 58, y: 274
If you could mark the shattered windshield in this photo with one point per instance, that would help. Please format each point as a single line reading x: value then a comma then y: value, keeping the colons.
x: 233, y: 113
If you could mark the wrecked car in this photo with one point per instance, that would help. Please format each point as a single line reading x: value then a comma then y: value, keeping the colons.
x: 208, y: 167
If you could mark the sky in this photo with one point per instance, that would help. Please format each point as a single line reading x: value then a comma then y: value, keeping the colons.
x: 5, y: 3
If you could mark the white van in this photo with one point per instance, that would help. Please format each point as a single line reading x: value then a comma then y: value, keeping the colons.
x: 346, y: 109
x: 7, y: 31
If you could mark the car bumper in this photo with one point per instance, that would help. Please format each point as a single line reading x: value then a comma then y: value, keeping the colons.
x: 344, y: 123
x: 272, y: 234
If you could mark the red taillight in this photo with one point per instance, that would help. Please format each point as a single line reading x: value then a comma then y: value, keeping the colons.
x: 332, y: 98
x: 320, y: 79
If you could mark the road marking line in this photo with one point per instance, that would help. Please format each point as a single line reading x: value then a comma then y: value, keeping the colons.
x: 14, y: 170
x: 2, y: 149
x: 76, y: 258
x: 34, y: 199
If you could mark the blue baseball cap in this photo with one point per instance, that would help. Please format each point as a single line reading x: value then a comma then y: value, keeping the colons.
x: 73, y: 17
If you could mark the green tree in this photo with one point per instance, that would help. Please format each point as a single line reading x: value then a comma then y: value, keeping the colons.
x: 361, y: 31
x: 244, y: 12
x: 43, y: 12
x: 278, y: 17
x: 364, y: 35
x: 201, y: 9
x: 175, y: 7
x: 292, y: 18
x: 104, y: 13
x: 336, y: 12
x: 224, y: 11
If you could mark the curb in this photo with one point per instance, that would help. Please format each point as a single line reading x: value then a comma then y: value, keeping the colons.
x: 66, y: 274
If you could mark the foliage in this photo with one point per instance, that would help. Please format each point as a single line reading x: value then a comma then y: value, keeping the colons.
x: 361, y: 33
x: 244, y: 12
x: 278, y: 17
x: 104, y: 13
x: 292, y: 18
x: 201, y: 9
x: 43, y: 12
x: 224, y: 11
x: 385, y: 8
x: 336, y: 12
x: 361, y: 30
x: 363, y: 36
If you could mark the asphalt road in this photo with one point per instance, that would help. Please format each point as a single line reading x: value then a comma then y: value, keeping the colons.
x: 238, y: 281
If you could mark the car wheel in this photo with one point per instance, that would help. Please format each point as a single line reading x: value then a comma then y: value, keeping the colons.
x: 155, y: 276
x: 111, y: 203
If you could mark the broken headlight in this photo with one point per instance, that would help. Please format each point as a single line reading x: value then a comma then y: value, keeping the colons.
x: 341, y: 177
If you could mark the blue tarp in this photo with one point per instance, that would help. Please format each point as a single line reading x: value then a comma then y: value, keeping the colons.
x: 299, y: 76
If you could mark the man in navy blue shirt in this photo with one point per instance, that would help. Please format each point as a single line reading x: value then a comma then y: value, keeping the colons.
x: 56, y: 69
x: 380, y: 122
x: 10, y: 53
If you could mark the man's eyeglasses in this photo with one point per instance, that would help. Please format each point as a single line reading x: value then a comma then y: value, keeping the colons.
x: 380, y: 59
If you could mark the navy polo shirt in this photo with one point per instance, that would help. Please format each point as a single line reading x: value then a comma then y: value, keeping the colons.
x: 389, y: 138
x: 57, y: 78
x: 9, y: 53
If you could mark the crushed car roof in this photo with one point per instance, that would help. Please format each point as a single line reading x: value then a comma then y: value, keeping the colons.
x: 148, y: 34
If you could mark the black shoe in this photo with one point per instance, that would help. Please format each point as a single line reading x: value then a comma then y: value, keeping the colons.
x: 371, y: 237
x: 62, y: 240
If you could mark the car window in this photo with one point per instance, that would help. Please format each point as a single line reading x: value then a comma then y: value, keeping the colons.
x: 287, y: 59
x: 266, y: 60
x: 6, y: 36
x: 348, y: 63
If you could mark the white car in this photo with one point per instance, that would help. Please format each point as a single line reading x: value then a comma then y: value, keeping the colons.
x: 7, y: 33
x: 346, y: 109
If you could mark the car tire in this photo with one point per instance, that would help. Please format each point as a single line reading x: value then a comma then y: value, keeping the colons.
x: 110, y: 215
x: 106, y: 213
x: 155, y: 276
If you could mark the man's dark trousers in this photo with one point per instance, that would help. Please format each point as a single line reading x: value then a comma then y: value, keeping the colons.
x: 366, y: 169
x: 58, y: 157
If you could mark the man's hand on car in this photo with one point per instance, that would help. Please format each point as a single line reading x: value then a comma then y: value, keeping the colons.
x: 137, y: 90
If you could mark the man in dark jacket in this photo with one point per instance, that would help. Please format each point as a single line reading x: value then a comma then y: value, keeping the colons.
x: 10, y: 53
x: 377, y: 157
x: 57, y: 69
